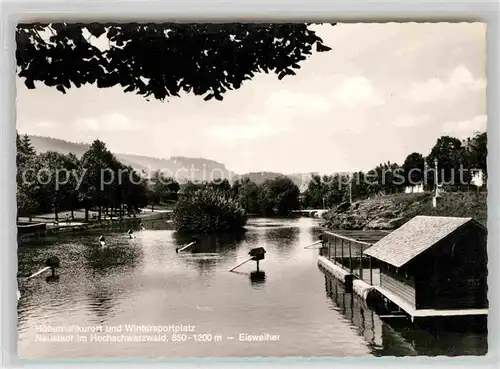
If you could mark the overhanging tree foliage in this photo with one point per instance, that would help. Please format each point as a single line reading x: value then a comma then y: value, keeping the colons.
x: 161, y: 60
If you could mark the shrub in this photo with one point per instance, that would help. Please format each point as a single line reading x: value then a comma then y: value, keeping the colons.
x: 208, y: 211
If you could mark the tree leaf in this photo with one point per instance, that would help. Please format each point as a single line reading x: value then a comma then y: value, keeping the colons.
x: 196, y: 58
x: 29, y: 83
x: 96, y: 29
x: 322, y: 48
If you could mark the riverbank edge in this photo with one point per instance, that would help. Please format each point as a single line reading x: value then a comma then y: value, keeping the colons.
x: 389, y: 212
x: 94, y: 226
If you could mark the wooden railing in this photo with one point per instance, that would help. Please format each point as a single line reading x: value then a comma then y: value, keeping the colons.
x: 347, y: 253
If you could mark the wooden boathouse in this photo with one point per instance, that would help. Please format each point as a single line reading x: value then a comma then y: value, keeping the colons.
x: 434, y: 266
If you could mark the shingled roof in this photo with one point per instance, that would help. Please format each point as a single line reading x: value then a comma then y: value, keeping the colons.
x: 413, y: 238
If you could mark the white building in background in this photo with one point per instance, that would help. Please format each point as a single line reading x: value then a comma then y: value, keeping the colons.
x: 414, y: 189
x: 478, y: 179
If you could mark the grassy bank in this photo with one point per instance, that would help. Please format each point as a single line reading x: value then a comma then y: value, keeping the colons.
x: 390, y: 212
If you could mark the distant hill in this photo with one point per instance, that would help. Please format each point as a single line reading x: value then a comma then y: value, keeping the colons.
x: 182, y: 168
x: 179, y: 166
x: 44, y: 144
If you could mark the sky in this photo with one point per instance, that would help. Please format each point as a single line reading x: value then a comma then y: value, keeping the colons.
x: 384, y: 91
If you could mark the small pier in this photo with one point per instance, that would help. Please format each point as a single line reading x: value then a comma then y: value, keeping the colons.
x: 384, y: 268
x: 348, y: 253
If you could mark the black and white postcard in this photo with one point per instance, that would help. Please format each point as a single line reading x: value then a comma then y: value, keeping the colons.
x: 189, y: 190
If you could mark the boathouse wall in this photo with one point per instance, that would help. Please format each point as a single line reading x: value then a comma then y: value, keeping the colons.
x: 398, y: 281
x: 453, y: 274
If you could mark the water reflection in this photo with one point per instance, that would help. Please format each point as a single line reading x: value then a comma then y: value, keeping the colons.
x: 283, y: 239
x: 400, y: 337
x: 205, y: 254
x: 52, y: 279
x: 30, y: 261
x: 100, y: 301
x: 205, y: 265
x: 144, y: 281
x: 258, y: 278
x: 431, y: 342
x: 103, y: 260
x: 225, y: 242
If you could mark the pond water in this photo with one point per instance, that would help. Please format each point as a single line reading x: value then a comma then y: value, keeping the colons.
x: 143, y: 281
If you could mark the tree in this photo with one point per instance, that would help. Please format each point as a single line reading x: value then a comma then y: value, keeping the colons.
x: 316, y: 191
x: 99, y: 165
x: 191, y: 187
x: 161, y: 60
x: 219, y: 185
x: 58, y: 187
x: 26, y: 146
x: 18, y: 149
x: 337, y: 189
x: 28, y: 188
x: 279, y: 196
x: 134, y: 191
x: 153, y: 197
x: 173, y: 188
x: 413, y: 167
x: 166, y: 188
x: 235, y: 189
x: 359, y: 186
x: 477, y: 151
x: 25, y: 149
x: 389, y: 178
x: 248, y: 196
x: 452, y: 158
x: 73, y: 164
x: 208, y: 211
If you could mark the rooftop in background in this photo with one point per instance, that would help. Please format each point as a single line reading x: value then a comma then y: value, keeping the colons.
x: 414, y: 237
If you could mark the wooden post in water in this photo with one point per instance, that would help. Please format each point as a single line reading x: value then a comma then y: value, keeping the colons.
x: 256, y: 254
x: 53, y: 262
x: 350, y: 257
x: 237, y: 266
